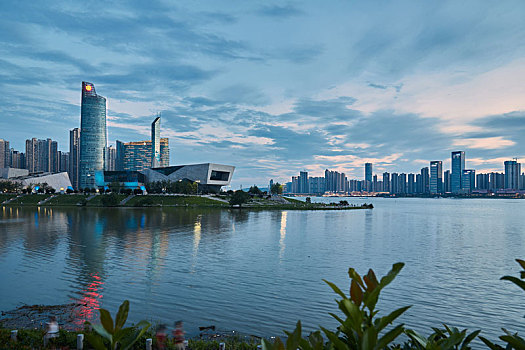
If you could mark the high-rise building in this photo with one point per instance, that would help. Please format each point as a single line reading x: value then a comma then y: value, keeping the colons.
x: 446, y: 182
x: 42, y: 156
x: 386, y: 182
x: 155, y: 143
x: 458, y: 165
x: 303, y: 182
x: 18, y: 159
x: 93, y: 137
x: 436, y: 176
x: 402, y: 183
x: 374, y: 184
x: 512, y: 174
x: 411, y: 184
x: 74, y: 157
x: 368, y: 176
x: 64, y: 161
x: 136, y: 156
x: 111, y: 158
x: 5, y: 153
x: 394, y: 183
x: 316, y: 185
x: 468, y: 181
x: 425, y: 180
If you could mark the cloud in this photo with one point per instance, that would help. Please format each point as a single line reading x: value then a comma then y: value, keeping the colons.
x: 277, y: 11
x: 484, y: 143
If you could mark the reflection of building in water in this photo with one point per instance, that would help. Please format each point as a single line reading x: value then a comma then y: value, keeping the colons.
x: 197, y: 228
x: 282, y: 245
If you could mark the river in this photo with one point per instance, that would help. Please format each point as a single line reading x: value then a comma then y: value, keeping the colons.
x: 258, y: 272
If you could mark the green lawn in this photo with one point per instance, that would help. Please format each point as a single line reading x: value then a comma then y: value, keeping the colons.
x: 97, y: 200
x: 174, y: 200
x: 4, y: 197
x: 30, y: 199
x: 66, y: 199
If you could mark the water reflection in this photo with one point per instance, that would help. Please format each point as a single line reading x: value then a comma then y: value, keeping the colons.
x: 284, y: 214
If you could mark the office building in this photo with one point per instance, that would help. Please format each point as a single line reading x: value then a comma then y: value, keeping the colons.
x: 436, y: 176
x: 458, y: 165
x: 386, y: 182
x: 93, y: 137
x: 512, y: 175
x: 303, y: 182
x: 316, y: 185
x: 111, y: 158
x: 468, y: 181
x: 136, y: 156
x: 63, y: 162
x: 155, y: 143
x: 368, y: 176
x: 74, y: 157
x: 446, y: 182
x: 18, y: 159
x: 425, y: 180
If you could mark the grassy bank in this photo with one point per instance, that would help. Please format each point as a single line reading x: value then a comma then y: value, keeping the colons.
x: 4, y: 197
x: 154, y: 200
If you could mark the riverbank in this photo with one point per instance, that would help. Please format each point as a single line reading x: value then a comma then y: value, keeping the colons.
x: 165, y: 200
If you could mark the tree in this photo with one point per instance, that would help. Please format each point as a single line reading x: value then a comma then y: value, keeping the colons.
x: 308, y: 200
x: 114, y: 186
x: 277, y: 188
x: 239, y: 198
x: 255, y: 190
x: 110, y: 200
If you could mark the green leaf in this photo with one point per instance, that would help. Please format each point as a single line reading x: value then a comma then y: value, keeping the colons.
x: 490, y: 344
x: 122, y: 315
x: 356, y: 294
x: 337, y: 343
x: 355, y: 276
x: 516, y: 343
x: 294, y: 338
x: 417, y: 338
x: 339, y: 319
x: 127, y: 342
x: 396, y: 268
x: 386, y: 320
x: 515, y: 280
x: 266, y: 345
x: 470, y: 338
x: 369, y: 339
x: 102, y: 331
x: 335, y: 289
x: 521, y: 262
x: 96, y: 342
x: 106, y: 320
x: 389, y: 337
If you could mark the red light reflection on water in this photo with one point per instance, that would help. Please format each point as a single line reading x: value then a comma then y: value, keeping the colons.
x: 89, y: 302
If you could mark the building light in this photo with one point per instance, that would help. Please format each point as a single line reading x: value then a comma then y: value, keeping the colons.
x: 88, y: 87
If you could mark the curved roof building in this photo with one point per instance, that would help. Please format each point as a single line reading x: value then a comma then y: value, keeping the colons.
x: 93, y: 137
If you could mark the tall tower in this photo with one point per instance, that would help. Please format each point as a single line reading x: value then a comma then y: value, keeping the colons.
x: 512, y: 174
x: 457, y: 165
x: 155, y: 143
x: 436, y: 176
x: 74, y: 156
x: 368, y: 176
x: 93, y: 137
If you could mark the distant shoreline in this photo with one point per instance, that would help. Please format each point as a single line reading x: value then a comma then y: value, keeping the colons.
x: 162, y: 201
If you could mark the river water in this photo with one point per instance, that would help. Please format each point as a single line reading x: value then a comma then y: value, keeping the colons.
x: 259, y: 272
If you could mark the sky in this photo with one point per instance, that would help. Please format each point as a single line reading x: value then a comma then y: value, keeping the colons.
x: 275, y: 87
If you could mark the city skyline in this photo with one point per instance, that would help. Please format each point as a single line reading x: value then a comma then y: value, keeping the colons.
x: 322, y: 90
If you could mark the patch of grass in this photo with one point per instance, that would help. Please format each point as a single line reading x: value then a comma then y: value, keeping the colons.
x: 97, y: 200
x: 30, y: 199
x: 66, y: 199
x: 154, y: 200
x: 6, y: 196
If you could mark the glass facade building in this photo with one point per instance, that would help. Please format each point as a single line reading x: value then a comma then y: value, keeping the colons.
x: 458, y: 165
x: 155, y: 143
x: 93, y: 137
x: 436, y: 176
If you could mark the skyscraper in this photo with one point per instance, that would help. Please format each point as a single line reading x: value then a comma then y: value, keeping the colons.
x: 111, y: 158
x: 386, y: 182
x: 446, y: 181
x: 425, y: 180
x: 436, y: 176
x: 468, y: 180
x: 93, y: 138
x: 368, y: 176
x: 74, y: 156
x: 155, y: 143
x: 136, y: 156
x: 4, y: 151
x: 458, y: 165
x: 512, y: 174
x: 303, y: 182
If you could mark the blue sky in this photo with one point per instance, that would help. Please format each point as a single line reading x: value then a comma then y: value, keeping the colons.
x: 275, y: 87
